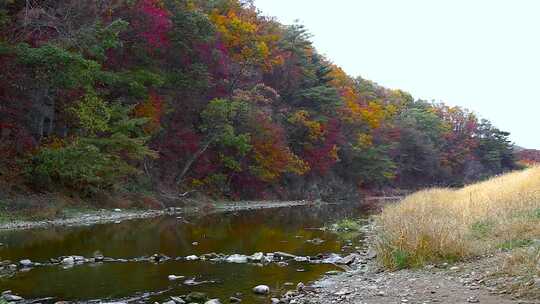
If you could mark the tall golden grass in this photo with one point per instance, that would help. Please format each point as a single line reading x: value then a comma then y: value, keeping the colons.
x: 452, y: 224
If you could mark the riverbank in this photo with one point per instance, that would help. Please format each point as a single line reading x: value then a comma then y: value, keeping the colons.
x: 478, y: 244
x: 470, y: 282
x: 487, y: 279
x: 86, y: 217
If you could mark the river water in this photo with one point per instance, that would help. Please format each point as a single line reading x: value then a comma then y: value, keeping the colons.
x: 242, y: 232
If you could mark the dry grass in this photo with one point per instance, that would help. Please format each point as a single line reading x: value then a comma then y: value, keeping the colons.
x: 447, y: 224
x: 523, y: 266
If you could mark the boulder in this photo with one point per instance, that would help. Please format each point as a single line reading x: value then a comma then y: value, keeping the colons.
x: 213, y: 301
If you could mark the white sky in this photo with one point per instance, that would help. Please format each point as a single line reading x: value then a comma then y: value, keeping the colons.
x: 480, y: 54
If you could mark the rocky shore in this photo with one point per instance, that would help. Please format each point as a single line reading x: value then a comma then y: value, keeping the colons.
x: 475, y: 281
x: 103, y: 216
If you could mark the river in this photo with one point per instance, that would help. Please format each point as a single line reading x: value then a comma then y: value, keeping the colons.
x: 289, y: 230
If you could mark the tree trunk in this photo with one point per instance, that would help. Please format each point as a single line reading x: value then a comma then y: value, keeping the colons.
x: 192, y: 159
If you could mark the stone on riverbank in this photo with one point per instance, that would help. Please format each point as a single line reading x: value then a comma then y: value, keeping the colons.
x: 11, y: 297
x: 261, y: 289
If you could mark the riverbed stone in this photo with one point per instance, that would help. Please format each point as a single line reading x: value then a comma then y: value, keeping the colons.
x: 26, y: 263
x: 68, y: 261
x: 213, y: 301
x: 256, y: 257
x: 11, y: 297
x: 178, y: 300
x: 237, y: 258
x: 261, y: 289
x: 301, y: 259
x: 284, y: 255
x: 348, y: 260
x: 192, y: 258
x: 173, y: 277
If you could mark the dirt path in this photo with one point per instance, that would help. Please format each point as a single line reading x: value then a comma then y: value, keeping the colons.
x: 370, y: 287
x: 367, y: 283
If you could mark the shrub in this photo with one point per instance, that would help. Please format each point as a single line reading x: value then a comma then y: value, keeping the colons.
x: 78, y: 166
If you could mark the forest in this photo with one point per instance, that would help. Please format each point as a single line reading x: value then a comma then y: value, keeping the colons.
x: 174, y: 97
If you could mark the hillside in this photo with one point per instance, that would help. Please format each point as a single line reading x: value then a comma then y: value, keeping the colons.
x: 173, y: 97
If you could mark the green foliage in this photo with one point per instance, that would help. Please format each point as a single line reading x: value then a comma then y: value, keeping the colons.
x: 400, y: 259
x: 369, y: 166
x: 513, y: 244
x: 93, y: 114
x: 58, y: 66
x: 346, y: 225
x: 482, y: 229
x: 78, y: 166
x: 136, y: 82
x: 94, y: 162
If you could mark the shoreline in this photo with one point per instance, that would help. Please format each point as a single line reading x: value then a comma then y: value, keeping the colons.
x: 104, y: 216
x: 367, y: 282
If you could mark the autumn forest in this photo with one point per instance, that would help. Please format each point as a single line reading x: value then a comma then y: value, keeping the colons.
x: 212, y: 97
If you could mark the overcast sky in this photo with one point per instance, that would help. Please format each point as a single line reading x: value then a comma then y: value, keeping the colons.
x: 483, y: 54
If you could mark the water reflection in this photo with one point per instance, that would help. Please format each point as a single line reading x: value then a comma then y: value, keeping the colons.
x: 244, y: 232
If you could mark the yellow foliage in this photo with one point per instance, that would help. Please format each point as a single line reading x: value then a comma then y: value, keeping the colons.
x: 365, y: 140
x: 315, y: 128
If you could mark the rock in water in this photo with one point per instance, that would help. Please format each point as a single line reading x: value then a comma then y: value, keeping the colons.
x: 173, y: 277
x: 213, y: 301
x: 68, y: 261
x: 301, y: 259
x: 26, y: 263
x: 284, y: 255
x: 347, y: 260
x: 261, y: 289
x: 12, y: 298
x: 192, y: 258
x: 178, y: 300
x: 237, y: 258
x: 257, y: 257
